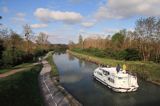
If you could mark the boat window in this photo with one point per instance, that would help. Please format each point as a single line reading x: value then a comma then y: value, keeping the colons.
x: 105, y: 72
x: 99, y: 73
x: 111, y: 80
x: 120, y: 78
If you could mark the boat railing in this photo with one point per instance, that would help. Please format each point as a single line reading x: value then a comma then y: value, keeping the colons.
x: 131, y: 73
x: 103, y: 65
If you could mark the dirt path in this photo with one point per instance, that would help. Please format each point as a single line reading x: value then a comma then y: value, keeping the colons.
x: 15, y: 71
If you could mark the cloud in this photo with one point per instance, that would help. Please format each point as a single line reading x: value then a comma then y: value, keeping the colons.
x: 21, y: 15
x: 119, y: 9
x: 56, y: 38
x: 19, y: 18
x: 88, y: 24
x: 47, y: 15
x: 111, y: 31
x: 39, y: 25
x: 5, y: 9
x: 62, y: 34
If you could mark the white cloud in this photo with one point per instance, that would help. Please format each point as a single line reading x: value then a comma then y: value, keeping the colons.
x: 111, y: 31
x: 20, y: 14
x: 47, y: 15
x: 56, y: 38
x: 119, y: 9
x: 5, y: 9
x: 88, y: 24
x: 62, y: 34
x: 39, y: 25
x: 19, y: 18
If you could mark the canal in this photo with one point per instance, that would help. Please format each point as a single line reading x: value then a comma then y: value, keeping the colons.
x: 76, y: 78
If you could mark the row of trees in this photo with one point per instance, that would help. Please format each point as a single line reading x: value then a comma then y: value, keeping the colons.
x: 16, y: 49
x: 141, y: 44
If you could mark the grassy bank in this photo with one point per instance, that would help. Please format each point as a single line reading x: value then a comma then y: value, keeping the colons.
x: 146, y: 70
x: 21, y: 89
x: 54, y: 71
x: 23, y: 65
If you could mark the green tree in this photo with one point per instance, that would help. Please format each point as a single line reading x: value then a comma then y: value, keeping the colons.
x: 13, y: 55
x: 1, y: 51
x: 118, y: 39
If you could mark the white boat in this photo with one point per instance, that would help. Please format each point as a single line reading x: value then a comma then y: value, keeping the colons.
x: 117, y: 81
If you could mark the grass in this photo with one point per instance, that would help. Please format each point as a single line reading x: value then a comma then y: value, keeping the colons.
x: 146, y: 70
x: 21, y: 89
x: 23, y: 65
x: 4, y: 70
x: 54, y: 71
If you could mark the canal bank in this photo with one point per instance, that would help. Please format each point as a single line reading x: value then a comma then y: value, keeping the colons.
x: 53, y: 93
x: 139, y: 68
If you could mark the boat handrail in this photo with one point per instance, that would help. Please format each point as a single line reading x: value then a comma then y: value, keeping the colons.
x: 131, y: 73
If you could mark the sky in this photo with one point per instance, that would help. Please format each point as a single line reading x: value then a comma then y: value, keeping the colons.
x: 65, y: 20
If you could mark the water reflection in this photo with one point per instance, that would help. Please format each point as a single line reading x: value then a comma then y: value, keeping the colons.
x: 71, y: 78
x: 70, y: 57
x: 80, y: 63
x: 76, y: 77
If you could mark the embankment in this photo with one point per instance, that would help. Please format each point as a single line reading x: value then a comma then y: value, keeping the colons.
x: 54, y: 94
x: 147, y: 71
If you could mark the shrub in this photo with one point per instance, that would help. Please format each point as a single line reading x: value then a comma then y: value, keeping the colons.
x: 126, y: 54
x: 110, y: 53
x: 7, y: 57
x: 95, y: 51
x: 11, y: 58
x: 129, y: 54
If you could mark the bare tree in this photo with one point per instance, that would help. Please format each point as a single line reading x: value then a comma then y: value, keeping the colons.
x: 71, y: 44
x: 80, y: 41
x: 145, y: 30
x: 28, y: 35
x: 42, y: 40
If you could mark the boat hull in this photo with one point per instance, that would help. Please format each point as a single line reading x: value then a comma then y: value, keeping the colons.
x: 116, y: 89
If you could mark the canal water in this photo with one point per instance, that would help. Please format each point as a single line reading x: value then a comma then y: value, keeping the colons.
x: 76, y: 78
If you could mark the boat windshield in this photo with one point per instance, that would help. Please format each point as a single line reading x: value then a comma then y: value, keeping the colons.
x: 105, y: 72
x: 120, y: 77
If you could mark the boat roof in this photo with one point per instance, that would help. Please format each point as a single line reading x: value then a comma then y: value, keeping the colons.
x: 113, y: 71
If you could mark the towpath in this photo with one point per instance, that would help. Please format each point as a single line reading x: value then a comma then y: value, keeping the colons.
x: 15, y: 71
x: 53, y: 95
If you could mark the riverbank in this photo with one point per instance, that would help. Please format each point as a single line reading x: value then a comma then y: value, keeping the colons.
x: 49, y: 58
x: 21, y: 89
x: 53, y: 92
x: 147, y: 71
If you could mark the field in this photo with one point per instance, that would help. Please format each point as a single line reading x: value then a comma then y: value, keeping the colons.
x: 21, y: 89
